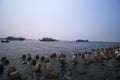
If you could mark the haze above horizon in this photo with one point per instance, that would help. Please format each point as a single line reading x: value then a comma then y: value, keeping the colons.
x: 95, y: 20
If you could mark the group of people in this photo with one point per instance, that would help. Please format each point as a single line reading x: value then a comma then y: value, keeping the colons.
x: 98, y: 55
x: 101, y: 55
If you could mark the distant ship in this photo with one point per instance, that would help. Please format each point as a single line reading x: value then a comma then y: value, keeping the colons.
x: 5, y: 41
x: 15, y: 39
x: 82, y: 41
x: 48, y: 39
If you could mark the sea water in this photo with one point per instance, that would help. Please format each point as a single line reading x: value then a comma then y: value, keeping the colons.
x: 15, y: 49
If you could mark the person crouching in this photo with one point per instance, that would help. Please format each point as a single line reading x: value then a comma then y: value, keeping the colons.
x: 62, y: 62
x: 13, y: 74
x: 50, y: 73
x: 36, y: 70
x: 86, y: 57
x: 74, y: 59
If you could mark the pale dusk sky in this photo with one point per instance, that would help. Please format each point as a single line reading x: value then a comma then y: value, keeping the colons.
x: 95, y: 20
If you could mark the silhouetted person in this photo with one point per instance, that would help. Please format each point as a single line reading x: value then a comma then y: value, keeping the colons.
x: 6, y: 62
x: 29, y: 58
x: 42, y: 58
x: 53, y: 55
x: 33, y: 62
x: 63, y: 63
x: 1, y: 69
x: 37, y: 57
x: 24, y: 57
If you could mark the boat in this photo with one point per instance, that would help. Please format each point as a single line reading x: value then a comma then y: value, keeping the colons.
x: 47, y: 39
x: 5, y: 41
x: 15, y: 38
x: 82, y: 41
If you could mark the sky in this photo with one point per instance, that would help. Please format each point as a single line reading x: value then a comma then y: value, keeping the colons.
x: 95, y: 20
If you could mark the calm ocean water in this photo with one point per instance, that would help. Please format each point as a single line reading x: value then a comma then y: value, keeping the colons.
x: 14, y: 50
